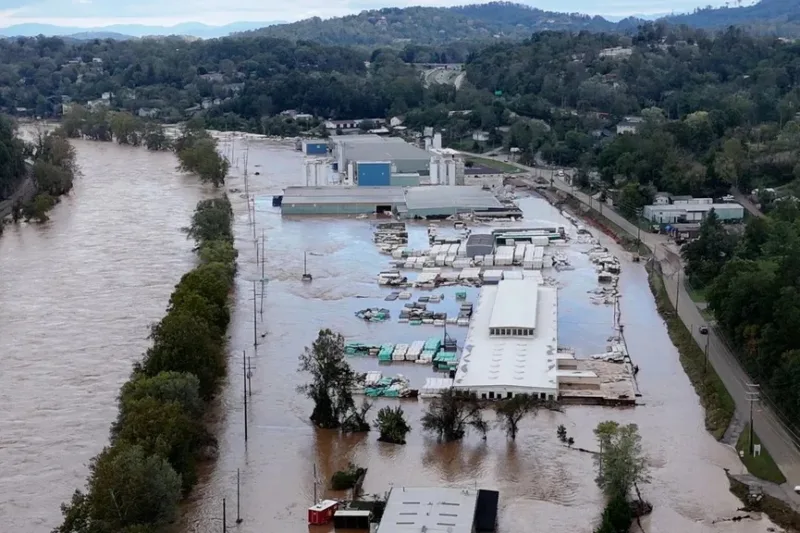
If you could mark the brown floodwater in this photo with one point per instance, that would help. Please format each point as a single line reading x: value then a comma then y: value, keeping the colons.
x: 77, y: 295
x: 540, y: 481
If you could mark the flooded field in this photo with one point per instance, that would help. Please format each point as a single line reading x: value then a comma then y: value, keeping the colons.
x: 77, y: 296
x: 78, y: 293
x: 540, y: 481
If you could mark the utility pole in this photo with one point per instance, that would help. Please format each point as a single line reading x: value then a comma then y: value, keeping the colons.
x: 255, y: 326
x: 238, y: 507
x: 638, y: 228
x: 224, y: 518
x: 249, y: 376
x: 263, y: 277
x: 244, y: 375
x: 678, y: 291
x: 753, y: 396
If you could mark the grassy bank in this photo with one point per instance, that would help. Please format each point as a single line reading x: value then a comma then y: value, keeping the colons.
x: 777, y: 511
x: 137, y: 482
x: 761, y: 466
x: 495, y: 164
x: 714, y: 397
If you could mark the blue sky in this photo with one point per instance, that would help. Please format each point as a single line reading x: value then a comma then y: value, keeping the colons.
x: 91, y: 13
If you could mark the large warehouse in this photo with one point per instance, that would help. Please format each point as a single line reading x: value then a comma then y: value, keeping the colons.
x: 404, y: 158
x: 440, y: 510
x: 512, y: 344
x: 411, y: 202
x: 341, y: 200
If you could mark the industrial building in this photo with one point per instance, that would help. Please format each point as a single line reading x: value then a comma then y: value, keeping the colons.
x: 404, y: 158
x: 440, y: 510
x: 411, y: 202
x: 341, y: 200
x: 480, y: 244
x: 512, y: 343
x: 433, y: 202
x: 512, y: 348
x: 692, y: 211
x: 315, y: 147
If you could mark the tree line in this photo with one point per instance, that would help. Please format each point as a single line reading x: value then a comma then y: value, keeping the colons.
x: 752, y: 283
x: 158, y: 439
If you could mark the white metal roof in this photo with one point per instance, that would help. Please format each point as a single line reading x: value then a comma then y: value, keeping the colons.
x: 343, y: 195
x: 431, y: 510
x: 521, y: 363
x: 450, y: 198
x: 515, y: 304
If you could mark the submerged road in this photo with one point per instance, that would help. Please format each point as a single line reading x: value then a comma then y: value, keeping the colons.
x: 774, y: 435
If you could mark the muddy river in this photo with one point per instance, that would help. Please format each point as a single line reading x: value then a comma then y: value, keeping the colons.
x: 77, y: 295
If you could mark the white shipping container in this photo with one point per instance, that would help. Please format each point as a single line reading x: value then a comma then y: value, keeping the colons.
x: 409, y: 263
x: 540, y: 241
x: 519, y: 252
x: 400, y: 350
x: 462, y: 250
x: 448, y: 261
x: 512, y: 274
x: 488, y: 260
x: 440, y: 259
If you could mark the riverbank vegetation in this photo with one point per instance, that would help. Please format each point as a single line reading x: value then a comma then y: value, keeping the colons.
x: 714, y: 397
x: 621, y: 467
x: 135, y: 484
x: 753, y: 292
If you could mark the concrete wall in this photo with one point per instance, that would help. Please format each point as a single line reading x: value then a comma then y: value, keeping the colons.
x: 408, y: 166
x: 327, y: 209
x: 405, y: 181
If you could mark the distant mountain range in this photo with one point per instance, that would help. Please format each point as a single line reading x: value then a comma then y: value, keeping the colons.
x: 129, y: 31
x: 436, y: 25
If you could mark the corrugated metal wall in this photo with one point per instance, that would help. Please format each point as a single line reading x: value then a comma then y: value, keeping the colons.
x: 374, y: 174
x: 315, y: 148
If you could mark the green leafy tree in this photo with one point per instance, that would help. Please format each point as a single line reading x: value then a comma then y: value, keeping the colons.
x: 392, y: 425
x: 451, y: 414
x: 706, y: 255
x: 127, y: 488
x: 331, y: 379
x: 621, y: 463
x: 155, y: 139
x: 183, y: 342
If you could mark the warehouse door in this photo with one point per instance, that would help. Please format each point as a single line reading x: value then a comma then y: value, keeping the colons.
x: 383, y: 209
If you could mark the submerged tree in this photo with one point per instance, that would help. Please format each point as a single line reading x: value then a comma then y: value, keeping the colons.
x: 621, y: 464
x: 392, y: 425
x: 331, y: 379
x: 355, y: 421
x: 510, y: 412
x: 451, y: 414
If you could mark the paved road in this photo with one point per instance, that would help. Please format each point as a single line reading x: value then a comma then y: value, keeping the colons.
x: 746, y: 203
x: 773, y: 434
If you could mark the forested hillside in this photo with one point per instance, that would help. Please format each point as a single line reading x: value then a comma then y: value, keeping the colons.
x: 768, y: 17
x: 428, y: 25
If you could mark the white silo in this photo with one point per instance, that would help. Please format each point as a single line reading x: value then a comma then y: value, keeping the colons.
x: 450, y: 172
x: 437, y: 141
x: 434, y: 170
x: 428, y: 143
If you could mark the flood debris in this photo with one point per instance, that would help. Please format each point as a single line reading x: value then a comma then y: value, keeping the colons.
x: 374, y: 314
